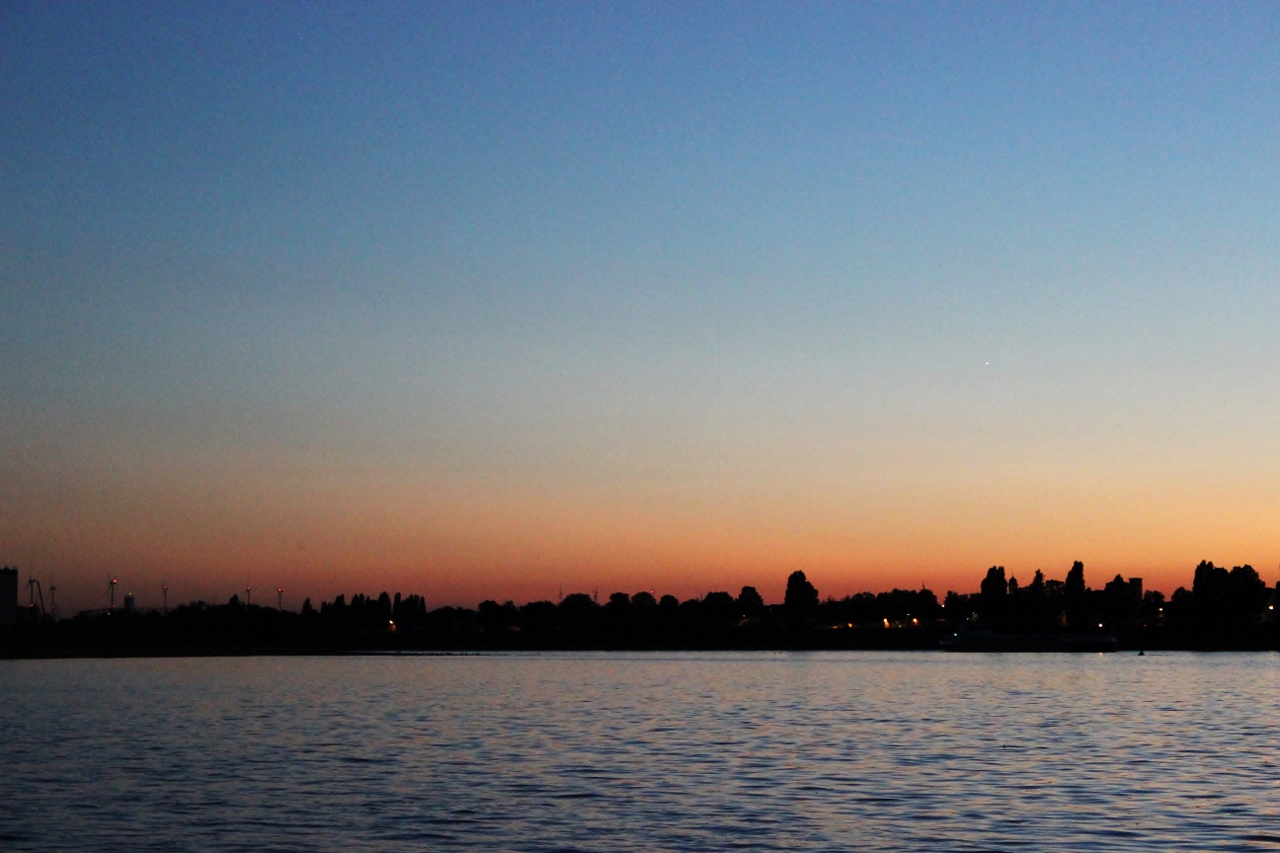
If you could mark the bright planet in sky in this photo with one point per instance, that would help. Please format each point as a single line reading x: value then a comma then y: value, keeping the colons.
x: 480, y: 300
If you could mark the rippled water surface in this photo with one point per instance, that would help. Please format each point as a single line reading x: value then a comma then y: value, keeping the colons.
x: 643, y: 752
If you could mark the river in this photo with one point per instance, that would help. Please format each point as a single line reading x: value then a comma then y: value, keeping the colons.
x: 643, y: 752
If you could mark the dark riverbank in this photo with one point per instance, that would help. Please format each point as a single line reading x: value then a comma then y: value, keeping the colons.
x: 238, y: 630
x: 1223, y: 611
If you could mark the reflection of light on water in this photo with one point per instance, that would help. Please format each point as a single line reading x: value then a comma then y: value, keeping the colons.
x: 640, y: 751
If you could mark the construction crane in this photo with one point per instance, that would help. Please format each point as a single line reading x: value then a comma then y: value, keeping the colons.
x: 33, y: 589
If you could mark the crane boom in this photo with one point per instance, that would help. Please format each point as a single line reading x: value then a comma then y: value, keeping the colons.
x: 33, y: 589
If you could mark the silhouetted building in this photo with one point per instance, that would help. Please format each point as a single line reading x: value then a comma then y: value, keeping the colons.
x: 1135, y: 589
x: 129, y: 603
x: 8, y: 595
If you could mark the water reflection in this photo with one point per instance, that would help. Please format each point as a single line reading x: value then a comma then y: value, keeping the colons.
x: 643, y: 752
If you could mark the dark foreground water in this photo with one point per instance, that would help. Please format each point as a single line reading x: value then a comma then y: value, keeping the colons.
x: 617, y: 752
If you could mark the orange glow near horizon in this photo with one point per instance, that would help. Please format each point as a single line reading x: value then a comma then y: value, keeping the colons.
x: 458, y: 543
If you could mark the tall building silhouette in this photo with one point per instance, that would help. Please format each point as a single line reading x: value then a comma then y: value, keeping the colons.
x: 8, y: 595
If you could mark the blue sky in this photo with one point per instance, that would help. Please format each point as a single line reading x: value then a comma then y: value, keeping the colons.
x: 889, y: 292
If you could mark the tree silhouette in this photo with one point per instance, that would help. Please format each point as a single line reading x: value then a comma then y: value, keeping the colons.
x: 991, y: 598
x: 750, y: 602
x: 801, y: 600
x: 1076, y: 597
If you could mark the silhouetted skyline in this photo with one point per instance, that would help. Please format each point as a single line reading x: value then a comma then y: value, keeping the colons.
x: 1223, y: 609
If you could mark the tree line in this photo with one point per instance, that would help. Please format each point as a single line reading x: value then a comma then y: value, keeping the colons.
x: 1223, y: 609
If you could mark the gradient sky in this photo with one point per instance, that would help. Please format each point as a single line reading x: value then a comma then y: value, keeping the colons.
x: 497, y: 299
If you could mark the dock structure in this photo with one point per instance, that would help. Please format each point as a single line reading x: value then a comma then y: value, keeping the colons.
x: 8, y: 595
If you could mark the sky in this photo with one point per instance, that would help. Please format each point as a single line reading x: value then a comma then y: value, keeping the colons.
x: 503, y: 300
